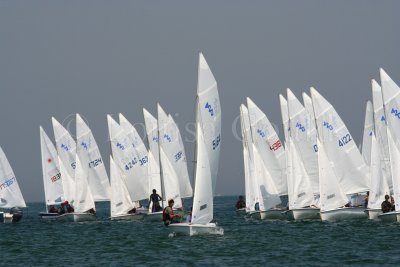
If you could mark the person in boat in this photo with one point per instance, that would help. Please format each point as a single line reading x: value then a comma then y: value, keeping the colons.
x: 69, y: 208
x: 240, y: 204
x: 386, y: 206
x: 392, y: 203
x: 53, y: 209
x: 366, y: 200
x: 91, y: 211
x: 132, y: 211
x: 155, y: 198
x: 61, y: 209
x: 168, y: 214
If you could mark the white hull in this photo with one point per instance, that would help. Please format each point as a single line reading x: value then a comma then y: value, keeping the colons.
x: 154, y: 216
x: 6, y: 217
x: 129, y: 217
x: 341, y: 214
x: 373, y: 213
x: 69, y: 217
x: 273, y: 214
x: 254, y: 214
x: 393, y: 216
x: 306, y: 214
x: 194, y: 229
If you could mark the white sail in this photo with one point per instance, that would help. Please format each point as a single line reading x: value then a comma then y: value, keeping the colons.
x: 251, y: 187
x: 89, y: 154
x: 300, y: 192
x: 266, y: 192
x: 391, y: 101
x: 380, y: 124
x: 269, y: 147
x: 154, y: 154
x: 368, y: 131
x: 139, y: 148
x: 121, y: 201
x: 340, y: 147
x: 84, y: 200
x: 66, y: 149
x: 181, y: 163
x: 395, y: 167
x: 52, y: 182
x: 208, y: 138
x: 332, y: 196
x: 285, y: 116
x: 125, y: 156
x: 10, y: 193
x: 307, y: 101
x: 169, y: 150
x: 304, y: 137
x: 379, y: 187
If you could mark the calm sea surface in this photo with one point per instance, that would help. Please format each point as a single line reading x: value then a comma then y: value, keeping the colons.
x: 33, y: 242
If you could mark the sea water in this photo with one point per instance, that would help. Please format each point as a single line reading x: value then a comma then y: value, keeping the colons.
x: 33, y: 242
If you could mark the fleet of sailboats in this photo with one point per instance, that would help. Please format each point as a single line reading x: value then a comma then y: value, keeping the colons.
x: 316, y: 172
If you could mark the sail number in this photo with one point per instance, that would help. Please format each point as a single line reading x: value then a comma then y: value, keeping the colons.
x: 95, y: 163
x: 345, y: 140
x: 130, y: 164
x: 155, y: 139
x: 209, y: 108
x: 216, y: 141
x: 315, y: 148
x: 56, y: 177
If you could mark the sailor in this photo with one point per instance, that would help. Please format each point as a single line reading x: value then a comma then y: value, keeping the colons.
x: 155, y: 198
x: 240, y: 204
x: 168, y: 213
x: 386, y: 205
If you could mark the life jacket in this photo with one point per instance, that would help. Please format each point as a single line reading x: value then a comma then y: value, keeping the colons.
x: 165, y: 216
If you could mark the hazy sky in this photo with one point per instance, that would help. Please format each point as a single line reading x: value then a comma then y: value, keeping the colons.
x: 58, y: 58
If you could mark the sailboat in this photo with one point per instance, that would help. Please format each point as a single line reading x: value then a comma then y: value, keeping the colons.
x: 378, y: 185
x: 130, y: 161
x: 74, y: 176
x: 394, y: 151
x: 270, y: 164
x: 10, y: 193
x: 248, y: 162
x: 52, y: 182
x: 140, y: 149
x: 341, y: 149
x: 304, y: 162
x: 121, y: 203
x: 380, y: 124
x: 208, y: 146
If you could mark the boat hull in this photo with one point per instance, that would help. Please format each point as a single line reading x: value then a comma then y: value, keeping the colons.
x: 373, y: 213
x: 129, y: 217
x: 273, y: 214
x: 194, y: 229
x: 6, y: 217
x: 154, y: 216
x: 68, y: 217
x: 306, y: 214
x: 393, y: 216
x: 254, y: 214
x: 342, y: 214
x: 241, y: 211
